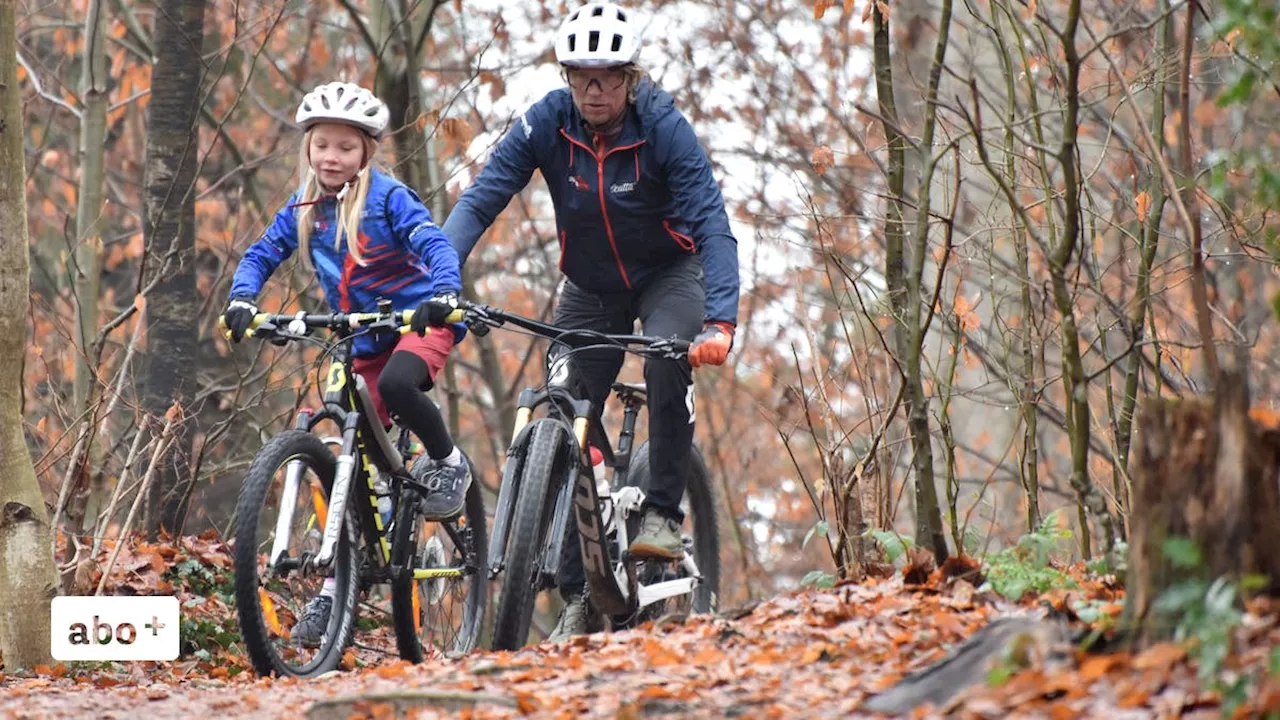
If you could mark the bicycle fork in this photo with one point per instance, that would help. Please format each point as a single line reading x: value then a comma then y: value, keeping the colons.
x: 333, y: 523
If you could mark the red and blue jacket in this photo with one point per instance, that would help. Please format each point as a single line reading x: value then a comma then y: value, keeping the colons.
x: 626, y: 207
x: 407, y: 258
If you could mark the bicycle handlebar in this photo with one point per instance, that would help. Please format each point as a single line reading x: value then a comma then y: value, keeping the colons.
x: 474, y: 315
x: 297, y: 325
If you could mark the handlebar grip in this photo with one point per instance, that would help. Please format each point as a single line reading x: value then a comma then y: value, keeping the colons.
x: 256, y: 322
x: 406, y: 317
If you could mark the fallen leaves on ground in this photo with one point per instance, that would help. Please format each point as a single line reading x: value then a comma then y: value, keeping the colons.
x: 812, y: 653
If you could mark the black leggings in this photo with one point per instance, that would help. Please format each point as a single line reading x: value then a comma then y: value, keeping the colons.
x: 401, y: 384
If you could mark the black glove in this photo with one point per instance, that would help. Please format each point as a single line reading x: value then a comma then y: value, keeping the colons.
x: 236, y: 318
x: 434, y: 312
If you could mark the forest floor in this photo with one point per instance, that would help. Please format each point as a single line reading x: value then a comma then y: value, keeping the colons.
x: 819, y: 652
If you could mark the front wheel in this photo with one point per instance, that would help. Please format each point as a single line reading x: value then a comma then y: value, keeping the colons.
x: 269, y: 606
x: 699, y: 506
x: 531, y: 520
x: 438, y: 599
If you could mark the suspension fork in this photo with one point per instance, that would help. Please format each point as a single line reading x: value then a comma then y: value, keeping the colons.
x: 289, y: 498
x: 342, y: 476
x: 509, y: 490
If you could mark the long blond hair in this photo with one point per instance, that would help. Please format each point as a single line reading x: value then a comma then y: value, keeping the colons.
x: 350, y: 206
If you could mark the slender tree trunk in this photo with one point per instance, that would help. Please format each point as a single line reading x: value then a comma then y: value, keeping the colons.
x: 1190, y: 199
x: 1074, y: 379
x: 27, y: 576
x: 1149, y: 243
x: 93, y: 130
x: 905, y: 304
x: 1029, y: 452
x: 171, y: 157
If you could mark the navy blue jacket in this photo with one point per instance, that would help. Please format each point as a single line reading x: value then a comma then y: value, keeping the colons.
x: 626, y: 208
x: 407, y: 259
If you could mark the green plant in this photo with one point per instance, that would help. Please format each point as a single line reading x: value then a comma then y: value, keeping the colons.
x: 894, y: 545
x: 818, y: 579
x: 1205, y: 614
x: 1024, y: 567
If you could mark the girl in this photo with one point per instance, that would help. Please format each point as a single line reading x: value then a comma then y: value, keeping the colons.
x: 368, y: 236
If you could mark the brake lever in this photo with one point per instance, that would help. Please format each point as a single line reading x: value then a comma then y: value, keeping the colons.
x: 477, y: 327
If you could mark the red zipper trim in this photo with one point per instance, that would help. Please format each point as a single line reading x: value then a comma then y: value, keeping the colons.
x: 563, y: 239
x: 684, y: 241
x: 604, y: 210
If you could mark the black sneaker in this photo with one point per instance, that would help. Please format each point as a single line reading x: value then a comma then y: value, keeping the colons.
x: 309, y: 631
x: 448, y: 485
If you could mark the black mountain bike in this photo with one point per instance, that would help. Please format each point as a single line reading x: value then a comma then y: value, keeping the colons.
x: 547, y: 474
x: 306, y: 513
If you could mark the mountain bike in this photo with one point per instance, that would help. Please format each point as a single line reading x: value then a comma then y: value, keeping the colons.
x: 306, y: 513
x: 547, y: 474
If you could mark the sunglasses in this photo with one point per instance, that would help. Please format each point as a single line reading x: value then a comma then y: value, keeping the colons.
x: 605, y: 79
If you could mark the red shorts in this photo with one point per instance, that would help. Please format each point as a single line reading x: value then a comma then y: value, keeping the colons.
x: 433, y: 348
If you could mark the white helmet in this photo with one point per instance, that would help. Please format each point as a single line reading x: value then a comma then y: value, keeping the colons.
x: 345, y: 103
x: 599, y: 34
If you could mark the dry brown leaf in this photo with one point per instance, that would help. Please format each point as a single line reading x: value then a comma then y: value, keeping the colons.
x: 822, y: 159
x: 1142, y: 203
x: 1160, y: 656
x: 527, y: 703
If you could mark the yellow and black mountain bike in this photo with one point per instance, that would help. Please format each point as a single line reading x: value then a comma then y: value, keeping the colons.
x: 308, y: 511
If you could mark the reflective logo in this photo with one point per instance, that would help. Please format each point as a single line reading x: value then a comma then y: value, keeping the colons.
x: 620, y: 188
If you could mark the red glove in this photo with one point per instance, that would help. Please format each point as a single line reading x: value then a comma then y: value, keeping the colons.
x: 711, y: 347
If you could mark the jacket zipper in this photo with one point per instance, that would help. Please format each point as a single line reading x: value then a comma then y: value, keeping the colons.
x: 604, y: 210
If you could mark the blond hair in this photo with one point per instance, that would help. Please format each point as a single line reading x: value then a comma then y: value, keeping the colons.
x: 634, y: 75
x: 350, y: 206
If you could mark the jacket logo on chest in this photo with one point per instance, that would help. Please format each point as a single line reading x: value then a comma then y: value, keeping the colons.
x: 621, y: 188
x: 577, y: 182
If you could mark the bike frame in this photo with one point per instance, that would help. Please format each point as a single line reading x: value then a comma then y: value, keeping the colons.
x: 364, y: 444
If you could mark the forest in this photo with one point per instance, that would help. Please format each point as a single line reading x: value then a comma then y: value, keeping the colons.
x: 1005, y: 346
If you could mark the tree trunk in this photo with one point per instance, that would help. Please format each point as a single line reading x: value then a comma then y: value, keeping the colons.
x: 1203, y: 471
x: 172, y: 154
x: 928, y: 532
x: 93, y: 131
x: 27, y: 580
x: 1075, y: 381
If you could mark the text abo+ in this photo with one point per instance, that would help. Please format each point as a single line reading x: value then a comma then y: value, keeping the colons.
x: 114, y: 628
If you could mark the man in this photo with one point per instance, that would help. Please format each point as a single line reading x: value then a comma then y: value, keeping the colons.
x: 643, y: 235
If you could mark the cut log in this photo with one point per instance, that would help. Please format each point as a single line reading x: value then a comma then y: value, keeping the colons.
x: 1206, y: 471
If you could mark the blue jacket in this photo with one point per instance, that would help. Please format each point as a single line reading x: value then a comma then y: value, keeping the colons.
x: 408, y: 259
x: 623, y: 211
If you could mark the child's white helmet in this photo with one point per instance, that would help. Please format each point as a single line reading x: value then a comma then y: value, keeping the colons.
x: 599, y: 34
x: 345, y: 103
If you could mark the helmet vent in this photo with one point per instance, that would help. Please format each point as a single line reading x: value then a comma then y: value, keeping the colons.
x: 593, y: 41
x: 617, y: 42
x: 597, y: 11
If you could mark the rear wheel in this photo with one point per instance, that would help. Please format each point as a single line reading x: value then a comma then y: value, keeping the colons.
x: 269, y: 606
x: 527, y: 540
x: 442, y: 611
x: 700, y: 525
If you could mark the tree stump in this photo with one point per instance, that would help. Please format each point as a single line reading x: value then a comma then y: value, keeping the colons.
x: 1203, y: 470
